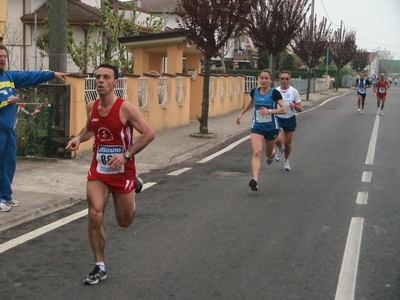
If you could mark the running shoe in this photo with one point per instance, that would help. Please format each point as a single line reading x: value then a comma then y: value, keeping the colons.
x: 358, y: 111
x: 286, y: 165
x: 378, y: 112
x: 11, y: 202
x: 278, y: 155
x: 95, y: 276
x: 4, y: 207
x: 139, y: 185
x: 381, y: 113
x: 362, y: 110
x: 253, y: 184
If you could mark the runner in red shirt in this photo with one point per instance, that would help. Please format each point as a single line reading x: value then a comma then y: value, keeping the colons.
x: 110, y: 120
x: 381, y: 87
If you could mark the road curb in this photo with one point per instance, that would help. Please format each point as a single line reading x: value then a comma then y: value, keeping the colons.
x: 24, y: 217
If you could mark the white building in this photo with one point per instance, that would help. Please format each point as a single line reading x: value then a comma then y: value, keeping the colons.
x: 239, y: 52
x: 25, y: 23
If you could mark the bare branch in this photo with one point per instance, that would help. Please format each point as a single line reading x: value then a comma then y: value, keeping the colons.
x: 275, y: 23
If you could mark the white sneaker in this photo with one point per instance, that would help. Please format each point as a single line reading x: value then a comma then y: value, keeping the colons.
x: 362, y: 111
x: 286, y: 165
x: 11, y: 202
x: 4, y: 208
x: 278, y: 155
x: 358, y: 111
x: 381, y: 113
x: 378, y: 112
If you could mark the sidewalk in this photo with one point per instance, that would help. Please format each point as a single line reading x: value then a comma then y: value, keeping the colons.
x: 48, y: 185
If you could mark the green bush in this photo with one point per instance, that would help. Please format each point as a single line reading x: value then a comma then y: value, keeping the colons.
x: 33, y: 134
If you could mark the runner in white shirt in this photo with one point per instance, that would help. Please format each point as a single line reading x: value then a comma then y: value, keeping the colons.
x: 361, y: 86
x: 287, y: 122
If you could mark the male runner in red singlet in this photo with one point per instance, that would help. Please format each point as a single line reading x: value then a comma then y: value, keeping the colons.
x: 381, y: 87
x: 110, y: 121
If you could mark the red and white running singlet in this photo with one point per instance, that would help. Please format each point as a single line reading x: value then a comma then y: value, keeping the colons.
x: 381, y: 87
x: 111, y: 137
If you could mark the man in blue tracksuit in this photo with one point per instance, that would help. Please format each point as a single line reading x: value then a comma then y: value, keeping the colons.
x: 9, y: 82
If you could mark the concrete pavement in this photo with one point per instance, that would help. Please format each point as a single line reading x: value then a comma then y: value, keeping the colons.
x: 47, y: 185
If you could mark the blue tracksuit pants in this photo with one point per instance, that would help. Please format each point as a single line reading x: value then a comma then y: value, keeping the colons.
x: 8, y: 161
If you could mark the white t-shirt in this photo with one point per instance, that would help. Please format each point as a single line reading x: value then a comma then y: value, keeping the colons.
x: 289, y: 95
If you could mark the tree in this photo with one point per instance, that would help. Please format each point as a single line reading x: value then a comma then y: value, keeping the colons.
x: 384, y: 54
x: 89, y: 52
x: 385, y: 59
x: 282, y: 61
x: 311, y: 43
x: 360, y: 60
x: 275, y: 23
x: 343, y: 47
x: 210, y: 24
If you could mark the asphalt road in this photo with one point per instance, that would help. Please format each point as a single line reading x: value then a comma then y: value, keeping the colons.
x: 203, y: 234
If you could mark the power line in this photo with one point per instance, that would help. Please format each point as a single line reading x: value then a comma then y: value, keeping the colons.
x: 379, y: 43
x: 323, y: 6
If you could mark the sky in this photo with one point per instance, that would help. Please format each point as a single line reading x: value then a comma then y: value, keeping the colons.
x: 377, y: 23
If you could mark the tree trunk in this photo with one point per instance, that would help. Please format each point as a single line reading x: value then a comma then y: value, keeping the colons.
x: 271, y: 63
x: 308, y: 84
x: 206, y: 98
x: 337, y: 79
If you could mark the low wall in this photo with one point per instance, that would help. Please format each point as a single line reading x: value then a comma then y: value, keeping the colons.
x: 163, y: 100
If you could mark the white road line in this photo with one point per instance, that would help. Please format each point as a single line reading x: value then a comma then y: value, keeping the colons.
x: 42, y: 230
x: 178, y: 172
x: 372, y: 143
x: 322, y: 103
x: 226, y: 149
x: 148, y: 184
x: 348, y: 272
x: 233, y: 145
x: 326, y: 101
x: 33, y: 234
x: 362, y: 198
x: 366, y: 177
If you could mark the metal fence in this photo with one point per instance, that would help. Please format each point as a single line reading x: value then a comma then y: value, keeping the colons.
x: 179, y: 90
x: 143, y: 92
x: 162, y: 91
x: 300, y: 84
x: 121, y: 90
x: 250, y: 82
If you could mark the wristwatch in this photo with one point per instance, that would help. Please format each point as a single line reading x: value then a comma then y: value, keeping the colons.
x: 127, y: 155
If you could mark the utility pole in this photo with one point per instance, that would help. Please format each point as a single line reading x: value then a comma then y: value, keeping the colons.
x: 312, y: 8
x: 58, y: 36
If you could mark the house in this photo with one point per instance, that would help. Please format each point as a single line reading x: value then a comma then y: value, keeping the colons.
x: 372, y: 67
x: 239, y: 52
x: 25, y: 21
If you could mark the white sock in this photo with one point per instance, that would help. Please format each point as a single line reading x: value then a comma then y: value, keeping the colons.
x: 101, y: 265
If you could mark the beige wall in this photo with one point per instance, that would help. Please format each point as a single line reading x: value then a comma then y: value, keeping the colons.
x: 220, y: 103
x: 171, y: 114
x: 3, y: 19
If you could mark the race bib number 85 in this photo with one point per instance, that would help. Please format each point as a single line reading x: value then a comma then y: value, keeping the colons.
x: 103, y: 155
